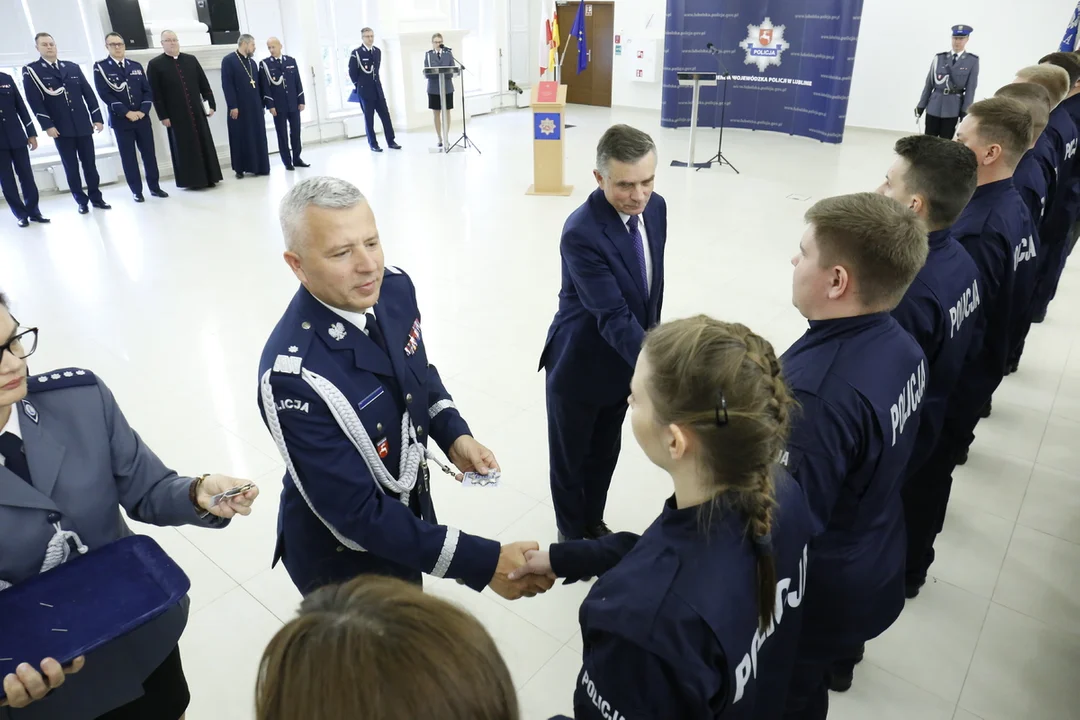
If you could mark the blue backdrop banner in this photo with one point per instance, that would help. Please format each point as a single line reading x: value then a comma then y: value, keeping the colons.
x: 790, y: 63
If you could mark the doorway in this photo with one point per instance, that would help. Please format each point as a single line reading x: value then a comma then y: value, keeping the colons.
x: 593, y: 86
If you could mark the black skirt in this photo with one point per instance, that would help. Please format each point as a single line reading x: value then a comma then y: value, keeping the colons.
x: 165, y: 694
x: 433, y: 101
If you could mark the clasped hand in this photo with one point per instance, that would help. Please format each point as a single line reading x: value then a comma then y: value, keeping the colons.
x: 26, y: 684
x: 514, y: 578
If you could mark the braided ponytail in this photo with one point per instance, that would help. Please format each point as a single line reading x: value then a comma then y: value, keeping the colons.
x: 694, y: 359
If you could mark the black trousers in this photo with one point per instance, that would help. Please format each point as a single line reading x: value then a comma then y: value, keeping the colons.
x: 372, y: 106
x: 583, y: 448
x: 940, y: 126
x: 287, y: 125
x: 165, y: 694
x: 139, y: 134
x: 73, y: 152
x: 16, y: 163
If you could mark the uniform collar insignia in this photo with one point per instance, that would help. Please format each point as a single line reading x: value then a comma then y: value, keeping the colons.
x: 337, y: 331
x: 30, y: 411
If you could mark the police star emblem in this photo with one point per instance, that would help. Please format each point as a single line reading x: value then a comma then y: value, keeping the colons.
x: 547, y: 126
x: 763, y: 44
x: 337, y: 331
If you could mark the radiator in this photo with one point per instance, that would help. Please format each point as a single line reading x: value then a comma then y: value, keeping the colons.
x: 106, y: 167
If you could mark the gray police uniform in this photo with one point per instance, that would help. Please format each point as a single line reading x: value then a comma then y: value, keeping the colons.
x: 949, y: 91
x: 85, y: 463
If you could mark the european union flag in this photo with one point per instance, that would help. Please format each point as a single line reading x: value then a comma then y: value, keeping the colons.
x: 578, y: 31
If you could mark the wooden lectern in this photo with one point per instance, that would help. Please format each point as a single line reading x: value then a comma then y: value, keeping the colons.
x: 549, y: 151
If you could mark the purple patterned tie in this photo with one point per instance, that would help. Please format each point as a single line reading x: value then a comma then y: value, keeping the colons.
x: 639, y: 250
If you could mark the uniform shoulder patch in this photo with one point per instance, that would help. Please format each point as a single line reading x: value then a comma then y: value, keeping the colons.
x: 59, y: 379
x: 973, y: 55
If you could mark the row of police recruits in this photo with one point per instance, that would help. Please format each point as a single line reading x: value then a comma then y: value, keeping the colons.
x: 64, y: 105
x: 807, y: 489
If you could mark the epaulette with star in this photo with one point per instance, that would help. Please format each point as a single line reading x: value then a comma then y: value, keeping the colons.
x: 60, y: 379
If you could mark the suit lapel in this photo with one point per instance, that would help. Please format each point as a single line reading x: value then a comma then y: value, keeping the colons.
x: 656, y: 231
x: 391, y: 322
x: 340, y: 335
x: 44, y: 455
x: 619, y: 237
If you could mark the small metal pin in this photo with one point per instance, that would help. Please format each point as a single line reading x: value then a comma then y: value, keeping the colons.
x: 59, y: 630
x: 6, y: 659
x: 45, y: 605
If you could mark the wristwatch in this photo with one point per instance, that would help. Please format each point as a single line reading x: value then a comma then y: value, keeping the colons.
x: 193, y: 494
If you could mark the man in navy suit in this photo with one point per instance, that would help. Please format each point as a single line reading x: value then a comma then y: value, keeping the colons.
x: 364, y: 65
x: 612, y: 251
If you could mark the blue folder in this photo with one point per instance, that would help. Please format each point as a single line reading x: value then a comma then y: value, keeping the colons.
x: 87, y: 602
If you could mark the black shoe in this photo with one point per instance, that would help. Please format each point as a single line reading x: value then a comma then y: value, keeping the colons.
x: 289, y: 167
x: 301, y: 163
x: 83, y: 210
x: 376, y: 148
x: 139, y: 197
x: 1013, y: 366
x: 101, y: 205
x: 159, y: 193
x: 393, y: 146
x: 840, y: 680
x: 598, y: 531
x: 986, y: 410
x: 239, y: 176
x: 1039, y: 318
x: 962, y: 457
x: 912, y: 586
x: 40, y: 219
x: 24, y: 222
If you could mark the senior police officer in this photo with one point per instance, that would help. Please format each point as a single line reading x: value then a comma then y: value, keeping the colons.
x: 283, y: 96
x: 364, y: 65
x: 17, y: 133
x: 950, y: 86
x: 124, y: 89
x: 68, y: 112
x: 348, y: 395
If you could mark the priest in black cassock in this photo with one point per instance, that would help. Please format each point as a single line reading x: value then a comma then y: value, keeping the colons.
x: 247, y: 123
x: 179, y: 86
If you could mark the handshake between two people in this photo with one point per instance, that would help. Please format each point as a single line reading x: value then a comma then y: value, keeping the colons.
x: 523, y: 571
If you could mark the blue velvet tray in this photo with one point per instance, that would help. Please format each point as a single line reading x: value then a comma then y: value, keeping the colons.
x: 95, y: 598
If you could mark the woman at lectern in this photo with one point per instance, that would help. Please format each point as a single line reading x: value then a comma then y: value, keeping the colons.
x: 439, y: 56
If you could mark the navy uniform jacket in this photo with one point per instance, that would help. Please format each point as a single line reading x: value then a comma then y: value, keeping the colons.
x: 15, y: 123
x: 996, y: 230
x: 328, y: 394
x: 594, y: 340
x: 61, y: 98
x: 950, y: 86
x: 282, y: 87
x: 444, y: 59
x: 860, y: 382
x: 671, y: 629
x: 940, y: 310
x: 1034, y: 179
x: 1063, y: 136
x: 122, y: 89
x: 1071, y: 105
x: 86, y: 464
x: 364, y: 67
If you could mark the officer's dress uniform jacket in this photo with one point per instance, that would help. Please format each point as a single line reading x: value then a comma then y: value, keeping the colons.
x: 351, y: 422
x: 124, y: 88
x: 950, y: 85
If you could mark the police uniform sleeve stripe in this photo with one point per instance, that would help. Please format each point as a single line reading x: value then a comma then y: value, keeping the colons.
x: 446, y: 555
x: 439, y: 407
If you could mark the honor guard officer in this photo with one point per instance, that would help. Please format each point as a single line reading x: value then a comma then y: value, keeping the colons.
x: 67, y: 110
x: 70, y: 469
x: 950, y: 86
x: 283, y: 96
x: 936, y: 178
x: 17, y: 133
x: 364, y: 65
x: 349, y: 397
x: 997, y: 231
x: 124, y: 89
x: 859, y: 378
x: 699, y: 617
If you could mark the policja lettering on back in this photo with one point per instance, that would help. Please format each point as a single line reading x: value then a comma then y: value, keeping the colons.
x: 965, y: 306
x: 909, y: 400
x: 601, y: 704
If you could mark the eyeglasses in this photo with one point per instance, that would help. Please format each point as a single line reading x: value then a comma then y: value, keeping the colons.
x: 22, y: 345
x: 116, y: 44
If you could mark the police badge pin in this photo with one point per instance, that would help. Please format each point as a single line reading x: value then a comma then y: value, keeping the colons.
x: 31, y: 411
x: 337, y: 331
x: 383, y: 447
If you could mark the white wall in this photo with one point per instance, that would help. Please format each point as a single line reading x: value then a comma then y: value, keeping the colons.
x: 898, y: 40
x: 637, y: 20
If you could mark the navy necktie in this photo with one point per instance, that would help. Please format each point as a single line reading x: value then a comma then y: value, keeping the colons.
x: 375, y: 332
x: 11, y: 447
x: 639, y: 250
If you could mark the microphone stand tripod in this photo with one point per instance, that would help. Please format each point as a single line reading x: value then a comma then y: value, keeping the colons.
x: 465, y: 141
x: 719, y: 158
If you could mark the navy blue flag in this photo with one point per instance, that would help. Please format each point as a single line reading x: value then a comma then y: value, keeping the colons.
x: 1068, y: 43
x: 578, y: 31
x: 790, y: 63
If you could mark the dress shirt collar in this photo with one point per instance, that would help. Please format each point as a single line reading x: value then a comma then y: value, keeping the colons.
x: 12, y: 425
x: 626, y: 218
x: 357, y: 319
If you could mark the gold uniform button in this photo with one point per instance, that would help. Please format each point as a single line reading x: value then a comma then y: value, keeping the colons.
x: 408, y: 398
x: 305, y: 325
x: 378, y: 427
x: 419, y: 430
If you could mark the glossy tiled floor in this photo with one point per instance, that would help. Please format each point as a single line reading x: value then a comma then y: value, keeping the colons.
x: 170, y: 303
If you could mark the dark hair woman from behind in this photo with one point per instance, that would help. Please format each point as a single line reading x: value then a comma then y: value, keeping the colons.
x: 698, y: 617
x: 380, y: 649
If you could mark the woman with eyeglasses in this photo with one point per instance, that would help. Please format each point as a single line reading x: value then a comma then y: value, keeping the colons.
x: 69, y: 463
x: 699, y: 617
